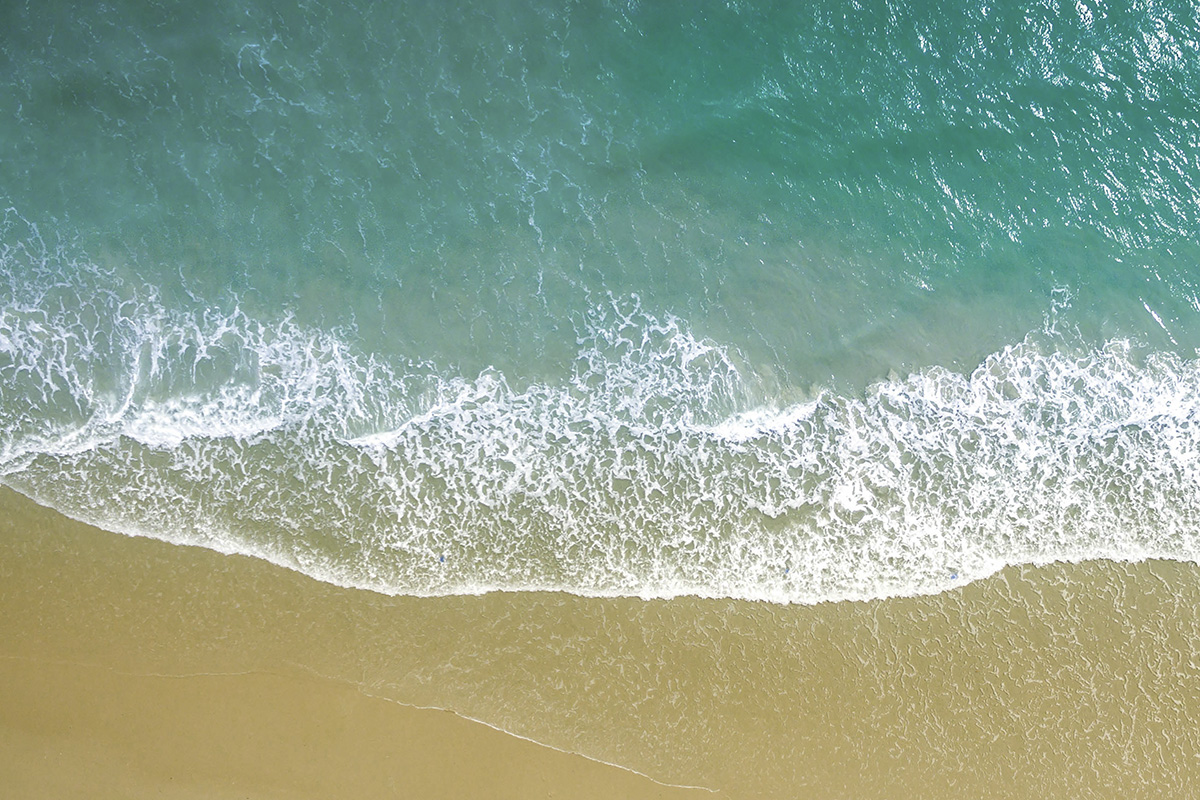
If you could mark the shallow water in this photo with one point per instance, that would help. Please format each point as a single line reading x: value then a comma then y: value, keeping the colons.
x: 741, y: 300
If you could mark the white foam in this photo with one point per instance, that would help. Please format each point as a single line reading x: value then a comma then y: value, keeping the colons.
x: 658, y: 467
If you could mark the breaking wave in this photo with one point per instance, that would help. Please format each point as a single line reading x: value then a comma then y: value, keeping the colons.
x: 663, y: 464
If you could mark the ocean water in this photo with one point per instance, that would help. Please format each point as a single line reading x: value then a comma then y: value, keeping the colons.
x: 790, y: 302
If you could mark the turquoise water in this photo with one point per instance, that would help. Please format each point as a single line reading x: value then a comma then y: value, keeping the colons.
x: 792, y: 302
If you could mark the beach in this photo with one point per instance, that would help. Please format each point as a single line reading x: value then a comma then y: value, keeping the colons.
x: 116, y: 685
x: 137, y: 668
x: 600, y: 399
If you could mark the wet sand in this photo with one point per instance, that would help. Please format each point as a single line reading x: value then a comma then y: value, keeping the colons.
x: 74, y: 730
x: 116, y: 684
x: 137, y: 668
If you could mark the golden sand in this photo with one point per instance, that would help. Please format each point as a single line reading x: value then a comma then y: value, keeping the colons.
x: 1067, y: 681
x: 116, y: 682
x: 72, y: 730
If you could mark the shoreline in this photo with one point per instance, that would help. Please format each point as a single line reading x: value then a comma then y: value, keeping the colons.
x: 1070, y: 680
x: 80, y: 718
x: 960, y: 582
x: 184, y: 736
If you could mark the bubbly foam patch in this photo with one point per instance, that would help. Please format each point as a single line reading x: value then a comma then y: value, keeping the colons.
x: 658, y: 467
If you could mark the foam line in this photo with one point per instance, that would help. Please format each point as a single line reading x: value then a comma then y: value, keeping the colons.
x: 662, y: 465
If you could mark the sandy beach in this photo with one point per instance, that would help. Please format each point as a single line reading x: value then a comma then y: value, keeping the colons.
x: 134, y: 668
x: 77, y: 730
x: 106, y: 691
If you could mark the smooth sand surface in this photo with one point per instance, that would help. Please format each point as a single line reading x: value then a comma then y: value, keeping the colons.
x: 80, y: 717
x: 1062, y: 681
x: 77, y: 731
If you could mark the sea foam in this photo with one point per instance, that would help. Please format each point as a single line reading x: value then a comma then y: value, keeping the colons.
x: 662, y: 464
